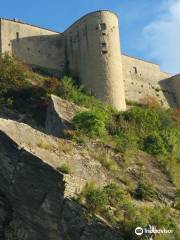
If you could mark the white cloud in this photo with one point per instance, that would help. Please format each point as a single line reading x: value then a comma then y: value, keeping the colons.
x: 162, y: 36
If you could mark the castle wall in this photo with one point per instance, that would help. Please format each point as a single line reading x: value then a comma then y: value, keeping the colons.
x: 33, y: 45
x: 175, y: 81
x: 93, y: 54
x: 143, y: 79
x: 90, y: 50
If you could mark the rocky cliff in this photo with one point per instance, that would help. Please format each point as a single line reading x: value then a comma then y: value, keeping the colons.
x: 35, y: 198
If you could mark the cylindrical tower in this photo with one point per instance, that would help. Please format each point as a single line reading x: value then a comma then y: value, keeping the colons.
x: 93, y: 54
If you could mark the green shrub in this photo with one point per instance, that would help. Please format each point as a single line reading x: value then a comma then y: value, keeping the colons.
x: 154, y: 144
x: 95, y: 198
x: 128, y: 140
x: 144, y: 191
x: 161, y: 217
x: 65, y: 168
x: 116, y: 195
x: 90, y: 122
x: 13, y: 74
x: 145, y: 118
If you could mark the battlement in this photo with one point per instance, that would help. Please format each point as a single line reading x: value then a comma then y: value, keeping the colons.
x: 90, y: 50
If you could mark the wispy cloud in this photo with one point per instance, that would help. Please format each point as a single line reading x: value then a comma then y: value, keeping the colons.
x: 162, y: 36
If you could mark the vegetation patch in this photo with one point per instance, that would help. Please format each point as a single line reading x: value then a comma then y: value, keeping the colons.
x: 116, y: 206
x: 144, y: 191
x: 65, y: 168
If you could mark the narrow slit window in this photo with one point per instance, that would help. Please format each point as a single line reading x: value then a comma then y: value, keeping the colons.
x: 135, y: 70
x: 103, y: 44
x: 17, y: 36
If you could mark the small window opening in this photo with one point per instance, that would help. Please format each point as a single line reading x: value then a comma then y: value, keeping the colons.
x: 135, y: 70
x: 103, y: 26
x: 103, y: 44
x: 67, y: 62
x: 104, y: 34
x: 17, y: 36
x: 104, y: 52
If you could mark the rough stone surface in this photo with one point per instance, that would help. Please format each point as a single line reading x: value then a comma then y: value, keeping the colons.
x: 175, y: 82
x: 59, y: 115
x: 33, y: 199
x: 55, y: 152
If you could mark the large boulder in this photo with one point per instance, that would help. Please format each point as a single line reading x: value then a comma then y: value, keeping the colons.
x: 59, y: 116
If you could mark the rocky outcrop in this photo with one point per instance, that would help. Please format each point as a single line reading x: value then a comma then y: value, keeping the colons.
x: 59, y: 115
x: 56, y: 152
x: 35, y: 198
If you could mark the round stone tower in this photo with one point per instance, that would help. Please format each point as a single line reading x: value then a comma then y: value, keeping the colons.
x: 93, y: 54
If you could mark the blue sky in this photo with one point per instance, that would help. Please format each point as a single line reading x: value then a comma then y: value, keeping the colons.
x: 149, y: 29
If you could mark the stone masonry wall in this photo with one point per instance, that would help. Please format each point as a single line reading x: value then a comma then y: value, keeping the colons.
x: 143, y: 79
x: 33, y: 45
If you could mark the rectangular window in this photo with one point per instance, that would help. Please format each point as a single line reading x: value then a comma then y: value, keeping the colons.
x: 17, y: 36
x: 104, y: 52
x: 103, y: 26
x: 135, y: 70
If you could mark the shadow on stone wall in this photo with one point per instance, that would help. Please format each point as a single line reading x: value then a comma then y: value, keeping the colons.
x: 45, y: 51
x: 168, y: 91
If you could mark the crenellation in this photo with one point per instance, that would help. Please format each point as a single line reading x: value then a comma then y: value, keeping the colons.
x: 90, y: 51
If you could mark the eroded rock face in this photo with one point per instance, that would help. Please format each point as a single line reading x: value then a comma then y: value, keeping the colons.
x: 59, y: 115
x: 33, y: 200
x: 34, y: 191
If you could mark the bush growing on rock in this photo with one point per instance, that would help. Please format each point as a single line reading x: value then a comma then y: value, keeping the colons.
x: 144, y: 191
x: 95, y: 198
x: 65, y: 168
x: 90, y: 122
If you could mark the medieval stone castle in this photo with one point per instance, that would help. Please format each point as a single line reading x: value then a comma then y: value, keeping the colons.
x: 90, y: 50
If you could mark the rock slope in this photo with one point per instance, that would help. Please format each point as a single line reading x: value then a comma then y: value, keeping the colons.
x: 35, y: 198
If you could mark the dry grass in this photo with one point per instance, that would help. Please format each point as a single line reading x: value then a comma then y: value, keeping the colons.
x: 44, y: 145
x: 65, y: 147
